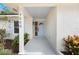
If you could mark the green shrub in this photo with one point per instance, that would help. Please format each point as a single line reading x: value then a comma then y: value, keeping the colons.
x: 16, y: 40
x: 5, y: 52
x: 26, y: 38
x: 2, y: 35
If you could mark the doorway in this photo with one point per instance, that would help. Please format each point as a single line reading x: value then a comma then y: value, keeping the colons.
x: 41, y: 31
x: 35, y: 25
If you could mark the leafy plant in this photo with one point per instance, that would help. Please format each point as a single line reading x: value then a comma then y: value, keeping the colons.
x: 2, y: 35
x: 16, y: 39
x: 72, y: 44
x: 2, y: 50
x: 15, y: 43
x: 26, y: 38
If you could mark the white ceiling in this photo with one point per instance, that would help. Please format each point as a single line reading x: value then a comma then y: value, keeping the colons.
x: 39, y: 12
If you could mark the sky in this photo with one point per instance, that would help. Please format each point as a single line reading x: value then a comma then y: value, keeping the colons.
x: 2, y: 6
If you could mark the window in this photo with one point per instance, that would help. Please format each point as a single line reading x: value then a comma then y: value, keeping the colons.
x: 16, y: 26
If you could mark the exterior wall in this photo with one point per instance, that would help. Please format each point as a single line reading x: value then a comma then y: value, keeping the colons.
x: 9, y: 26
x: 4, y: 25
x: 28, y: 26
x: 50, y: 27
x: 67, y: 22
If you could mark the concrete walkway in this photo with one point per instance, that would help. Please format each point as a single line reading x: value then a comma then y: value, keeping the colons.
x: 38, y: 46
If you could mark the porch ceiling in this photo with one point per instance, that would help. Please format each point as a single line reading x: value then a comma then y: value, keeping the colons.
x: 38, y: 12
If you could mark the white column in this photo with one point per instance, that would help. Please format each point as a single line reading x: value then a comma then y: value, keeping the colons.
x: 21, y: 31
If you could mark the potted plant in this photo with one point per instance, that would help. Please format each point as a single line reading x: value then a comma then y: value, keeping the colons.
x: 15, y: 44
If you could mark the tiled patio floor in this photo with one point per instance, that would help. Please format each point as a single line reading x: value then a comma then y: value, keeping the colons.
x: 38, y: 46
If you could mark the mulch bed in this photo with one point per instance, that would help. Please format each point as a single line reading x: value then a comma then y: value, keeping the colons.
x: 65, y: 53
x: 8, y: 44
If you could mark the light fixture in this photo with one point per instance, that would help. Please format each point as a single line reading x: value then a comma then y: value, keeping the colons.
x: 40, y: 23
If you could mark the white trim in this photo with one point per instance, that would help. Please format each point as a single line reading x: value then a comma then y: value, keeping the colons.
x: 59, y: 52
x: 8, y: 15
x: 34, y: 53
x: 21, y: 31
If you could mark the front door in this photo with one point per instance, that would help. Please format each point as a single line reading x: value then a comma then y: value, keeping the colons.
x: 35, y: 28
